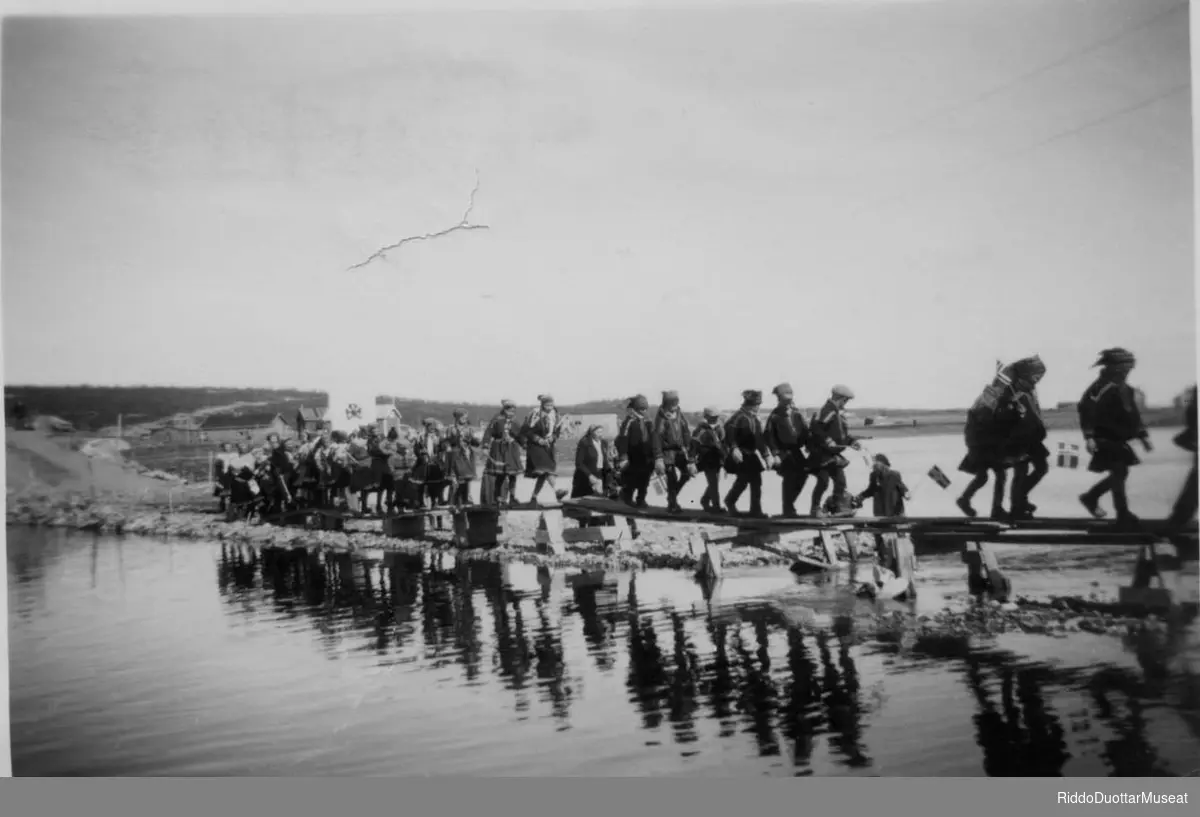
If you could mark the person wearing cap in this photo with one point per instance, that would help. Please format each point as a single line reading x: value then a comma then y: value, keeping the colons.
x: 748, y: 455
x: 886, y: 488
x: 504, y: 463
x: 635, y: 452
x: 672, y: 443
x: 786, y: 434
x: 1027, y: 440
x: 428, y: 474
x: 458, y: 446
x: 1110, y: 421
x: 828, y: 438
x: 709, y: 446
x: 591, y: 464
x: 1185, y: 506
x: 540, y: 433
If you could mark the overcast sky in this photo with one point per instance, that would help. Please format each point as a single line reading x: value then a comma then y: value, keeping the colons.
x: 890, y: 195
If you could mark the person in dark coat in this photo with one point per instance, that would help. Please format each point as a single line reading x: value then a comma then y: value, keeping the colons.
x: 1185, y: 506
x: 612, y: 474
x: 672, y: 441
x: 459, y: 444
x: 1110, y: 421
x: 990, y: 423
x: 786, y: 434
x: 828, y: 438
x: 886, y: 488
x: 635, y: 452
x: 591, y: 463
x: 709, y: 446
x: 221, y: 475
x: 1027, y: 441
x: 504, y: 459
x: 540, y: 435
x: 748, y: 455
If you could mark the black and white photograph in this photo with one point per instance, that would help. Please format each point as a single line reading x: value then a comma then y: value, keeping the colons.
x: 611, y: 389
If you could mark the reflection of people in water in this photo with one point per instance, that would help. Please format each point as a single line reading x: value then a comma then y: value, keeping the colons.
x: 647, y: 675
x: 1128, y: 754
x: 552, y: 666
x: 512, y: 645
x: 799, y: 719
x: 759, y: 697
x: 595, y: 631
x: 466, y: 627
x: 841, y: 702
x: 1009, y: 750
x: 720, y: 688
x: 404, y: 574
x: 683, y: 704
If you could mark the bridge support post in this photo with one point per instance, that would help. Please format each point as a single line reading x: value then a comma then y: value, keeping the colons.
x: 710, y: 566
x: 1149, y: 587
x: 895, y: 552
x: 983, y: 572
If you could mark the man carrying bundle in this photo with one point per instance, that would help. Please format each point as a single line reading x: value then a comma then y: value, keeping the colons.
x: 1027, y: 442
x: 709, y: 441
x: 672, y: 443
x: 786, y: 435
x: 748, y: 454
x: 829, y: 436
x: 635, y: 452
x: 990, y: 424
x: 1110, y: 420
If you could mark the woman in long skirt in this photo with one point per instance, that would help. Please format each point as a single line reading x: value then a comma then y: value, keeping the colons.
x: 591, y: 463
x: 504, y: 458
x: 401, y: 463
x: 460, y: 443
x: 540, y: 434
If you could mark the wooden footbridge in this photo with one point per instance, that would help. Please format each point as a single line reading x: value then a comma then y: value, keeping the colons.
x: 815, y: 544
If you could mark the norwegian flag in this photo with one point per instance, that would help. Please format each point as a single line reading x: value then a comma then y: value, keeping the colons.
x: 937, y: 475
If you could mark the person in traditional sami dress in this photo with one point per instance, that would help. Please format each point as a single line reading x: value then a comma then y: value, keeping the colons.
x: 504, y: 458
x: 786, y: 434
x: 709, y: 438
x: 460, y: 443
x: 1110, y: 421
x: 401, y: 461
x: 673, y: 450
x: 540, y: 434
x: 748, y: 455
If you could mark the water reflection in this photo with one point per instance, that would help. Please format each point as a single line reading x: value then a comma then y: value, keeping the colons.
x: 746, y: 669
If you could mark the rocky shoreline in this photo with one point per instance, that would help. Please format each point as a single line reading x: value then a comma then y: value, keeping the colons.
x: 659, y: 547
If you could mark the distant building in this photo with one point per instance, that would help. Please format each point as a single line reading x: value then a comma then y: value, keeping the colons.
x: 310, y: 419
x: 387, y: 417
x: 246, y: 428
x: 1070, y: 405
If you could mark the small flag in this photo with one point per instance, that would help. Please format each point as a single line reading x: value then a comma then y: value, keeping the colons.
x: 1068, y: 455
x: 939, y: 477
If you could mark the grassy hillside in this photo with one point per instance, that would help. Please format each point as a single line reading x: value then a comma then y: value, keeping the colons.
x: 91, y: 408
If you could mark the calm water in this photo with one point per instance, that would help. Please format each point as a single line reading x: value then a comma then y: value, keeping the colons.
x: 135, y: 656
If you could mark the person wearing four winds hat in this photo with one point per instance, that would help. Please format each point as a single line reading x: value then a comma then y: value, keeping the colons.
x: 786, y: 434
x: 672, y: 442
x: 828, y: 438
x: 1110, y: 421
